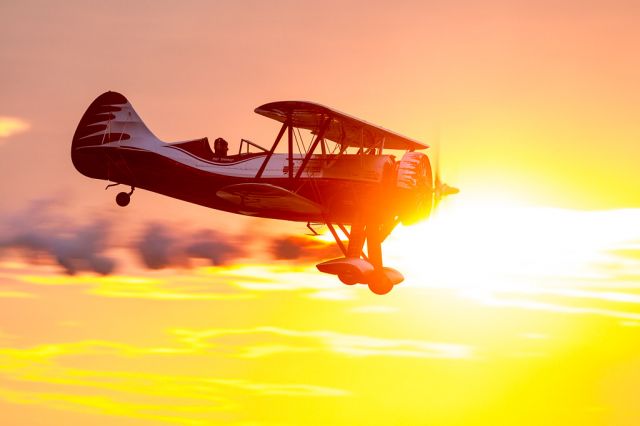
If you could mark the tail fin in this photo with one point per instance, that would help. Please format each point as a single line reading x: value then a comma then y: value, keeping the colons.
x: 109, y: 118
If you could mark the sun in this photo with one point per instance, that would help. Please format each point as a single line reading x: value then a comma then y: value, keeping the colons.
x: 487, y: 243
x: 499, y: 244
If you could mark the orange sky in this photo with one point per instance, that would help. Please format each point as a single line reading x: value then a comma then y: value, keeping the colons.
x: 519, y: 90
x: 521, y: 301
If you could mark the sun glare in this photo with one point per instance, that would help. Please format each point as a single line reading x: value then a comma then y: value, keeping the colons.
x: 498, y: 245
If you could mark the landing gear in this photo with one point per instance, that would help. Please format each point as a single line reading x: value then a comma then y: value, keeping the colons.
x: 359, y: 271
x: 380, y: 284
x: 358, y: 268
x: 124, y: 198
x: 348, y: 279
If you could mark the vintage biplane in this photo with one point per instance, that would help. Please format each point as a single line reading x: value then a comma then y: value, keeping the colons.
x: 341, y: 176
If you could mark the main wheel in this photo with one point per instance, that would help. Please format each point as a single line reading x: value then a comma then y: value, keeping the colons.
x: 380, y: 284
x: 123, y: 199
x: 348, y: 279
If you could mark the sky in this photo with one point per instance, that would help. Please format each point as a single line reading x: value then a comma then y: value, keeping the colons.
x: 521, y: 303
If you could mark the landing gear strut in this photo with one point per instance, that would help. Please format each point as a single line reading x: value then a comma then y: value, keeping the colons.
x: 124, y: 198
x: 357, y: 268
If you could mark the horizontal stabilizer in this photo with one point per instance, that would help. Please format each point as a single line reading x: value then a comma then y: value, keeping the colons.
x: 263, y: 197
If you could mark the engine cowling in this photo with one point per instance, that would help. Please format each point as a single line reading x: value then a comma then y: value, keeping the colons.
x: 414, y: 182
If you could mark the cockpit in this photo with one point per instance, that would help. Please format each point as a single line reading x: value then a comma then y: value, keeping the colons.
x: 202, y: 149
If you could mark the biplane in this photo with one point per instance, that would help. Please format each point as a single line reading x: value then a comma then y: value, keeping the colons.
x: 342, y: 176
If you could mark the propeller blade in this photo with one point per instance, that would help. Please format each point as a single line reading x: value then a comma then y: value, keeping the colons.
x: 440, y: 189
x: 449, y: 190
x: 436, y: 157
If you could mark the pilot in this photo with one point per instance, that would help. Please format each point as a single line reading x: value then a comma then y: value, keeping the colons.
x: 220, y: 147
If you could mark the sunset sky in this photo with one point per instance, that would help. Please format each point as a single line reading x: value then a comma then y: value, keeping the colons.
x: 521, y: 303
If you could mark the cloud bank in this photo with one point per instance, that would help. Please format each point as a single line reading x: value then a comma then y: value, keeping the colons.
x: 39, y: 233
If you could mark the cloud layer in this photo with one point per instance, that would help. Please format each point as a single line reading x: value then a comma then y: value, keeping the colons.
x: 160, y: 246
x: 39, y: 233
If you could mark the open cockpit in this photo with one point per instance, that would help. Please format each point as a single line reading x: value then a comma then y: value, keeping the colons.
x: 201, y: 148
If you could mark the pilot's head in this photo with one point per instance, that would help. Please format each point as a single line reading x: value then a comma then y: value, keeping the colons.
x: 220, y: 147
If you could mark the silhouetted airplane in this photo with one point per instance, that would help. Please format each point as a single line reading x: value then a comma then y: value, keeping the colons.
x: 342, y: 177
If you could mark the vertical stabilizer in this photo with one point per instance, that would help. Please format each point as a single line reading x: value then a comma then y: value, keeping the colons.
x: 110, y: 119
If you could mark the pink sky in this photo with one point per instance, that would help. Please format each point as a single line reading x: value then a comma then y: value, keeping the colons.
x: 518, y: 90
x: 519, y: 306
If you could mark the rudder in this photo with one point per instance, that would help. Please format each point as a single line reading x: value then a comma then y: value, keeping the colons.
x: 109, y: 118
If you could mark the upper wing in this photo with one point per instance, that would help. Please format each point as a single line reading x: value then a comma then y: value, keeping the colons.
x: 343, y: 128
x: 262, y: 197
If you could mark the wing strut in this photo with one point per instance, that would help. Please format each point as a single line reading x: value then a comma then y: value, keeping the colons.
x: 288, y: 126
x: 290, y: 137
x: 273, y: 148
x: 319, y: 137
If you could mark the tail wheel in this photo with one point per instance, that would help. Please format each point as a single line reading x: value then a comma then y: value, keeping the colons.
x: 123, y: 199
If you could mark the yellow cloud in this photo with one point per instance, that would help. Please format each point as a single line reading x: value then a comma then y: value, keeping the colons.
x: 39, y: 375
x: 528, y: 304
x: 374, y: 309
x: 11, y: 294
x: 175, y: 287
x: 10, y: 126
x: 247, y: 343
x: 263, y: 341
x: 206, y: 283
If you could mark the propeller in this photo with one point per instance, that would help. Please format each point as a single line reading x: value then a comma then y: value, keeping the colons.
x: 440, y: 189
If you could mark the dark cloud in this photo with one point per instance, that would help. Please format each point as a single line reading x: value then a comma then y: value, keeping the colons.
x: 215, y: 247
x: 293, y: 247
x: 42, y: 232
x: 162, y: 247
x: 156, y: 247
x: 36, y: 232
